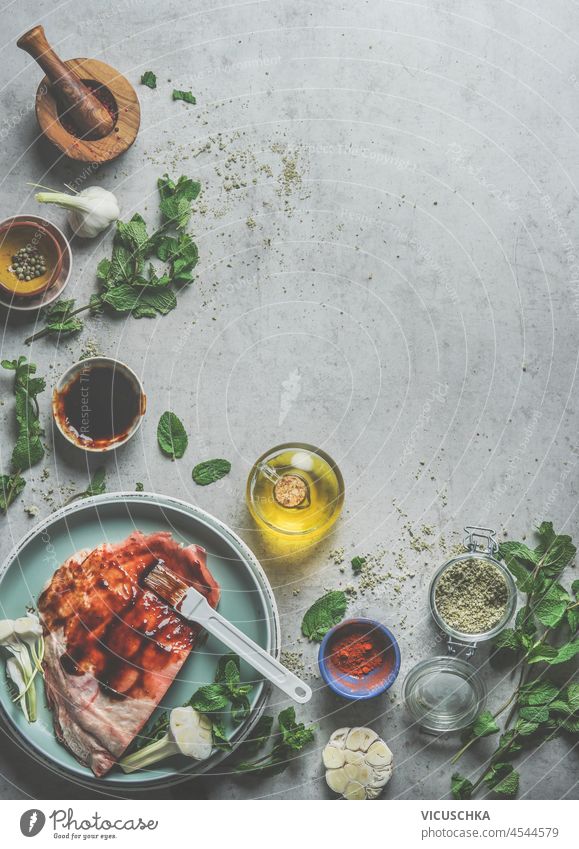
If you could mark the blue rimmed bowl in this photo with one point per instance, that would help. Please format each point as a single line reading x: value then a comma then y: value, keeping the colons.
x: 376, y: 681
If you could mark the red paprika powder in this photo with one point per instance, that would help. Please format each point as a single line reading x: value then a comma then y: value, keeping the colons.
x: 357, y: 654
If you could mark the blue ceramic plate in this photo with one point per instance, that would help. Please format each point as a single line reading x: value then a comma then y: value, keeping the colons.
x: 246, y: 599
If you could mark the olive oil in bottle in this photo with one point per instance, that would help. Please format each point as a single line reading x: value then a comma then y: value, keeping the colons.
x: 295, y: 489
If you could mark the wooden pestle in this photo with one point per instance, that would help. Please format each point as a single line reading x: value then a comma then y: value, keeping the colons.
x: 86, y: 111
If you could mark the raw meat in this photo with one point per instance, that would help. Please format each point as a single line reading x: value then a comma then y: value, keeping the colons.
x: 113, y: 648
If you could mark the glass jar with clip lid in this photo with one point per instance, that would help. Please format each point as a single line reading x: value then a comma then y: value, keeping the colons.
x: 472, y: 598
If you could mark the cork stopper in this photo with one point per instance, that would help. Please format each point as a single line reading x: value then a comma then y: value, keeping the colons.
x: 290, y: 491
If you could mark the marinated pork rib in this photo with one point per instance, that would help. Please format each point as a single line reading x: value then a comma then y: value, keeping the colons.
x: 112, y: 647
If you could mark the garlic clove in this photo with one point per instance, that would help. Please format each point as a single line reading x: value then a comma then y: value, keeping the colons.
x: 337, y: 780
x: 354, y: 757
x: 373, y: 792
x: 354, y: 791
x: 358, y: 772
x: 338, y: 738
x: 332, y: 757
x: 379, y: 754
x: 360, y: 739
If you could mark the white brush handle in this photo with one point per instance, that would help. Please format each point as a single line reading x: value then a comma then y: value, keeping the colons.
x: 196, y: 608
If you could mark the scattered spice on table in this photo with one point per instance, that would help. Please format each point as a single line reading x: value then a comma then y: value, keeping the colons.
x: 471, y: 596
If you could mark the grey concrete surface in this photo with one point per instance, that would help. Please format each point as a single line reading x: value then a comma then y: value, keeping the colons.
x: 388, y: 222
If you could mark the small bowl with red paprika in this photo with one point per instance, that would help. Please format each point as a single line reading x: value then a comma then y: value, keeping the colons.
x: 359, y: 659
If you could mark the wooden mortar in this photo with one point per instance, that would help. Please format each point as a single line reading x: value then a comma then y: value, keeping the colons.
x: 62, y: 93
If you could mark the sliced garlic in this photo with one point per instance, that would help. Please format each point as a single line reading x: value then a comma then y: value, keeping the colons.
x: 337, y: 780
x: 354, y: 790
x: 360, y: 739
x: 333, y: 758
x: 358, y: 763
x: 379, y: 754
x: 338, y: 738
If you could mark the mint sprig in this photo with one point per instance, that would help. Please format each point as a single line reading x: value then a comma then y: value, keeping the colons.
x: 291, y: 738
x: 28, y: 449
x: 544, y: 635
x: 129, y: 282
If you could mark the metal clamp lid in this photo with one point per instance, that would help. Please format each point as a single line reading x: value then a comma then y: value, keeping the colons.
x: 481, y: 539
x: 458, y: 647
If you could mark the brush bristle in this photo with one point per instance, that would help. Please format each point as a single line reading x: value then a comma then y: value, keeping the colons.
x: 166, y: 584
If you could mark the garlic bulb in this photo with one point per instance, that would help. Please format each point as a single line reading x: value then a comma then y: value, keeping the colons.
x: 358, y: 763
x: 90, y: 212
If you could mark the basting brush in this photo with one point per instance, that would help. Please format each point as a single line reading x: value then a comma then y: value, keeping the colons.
x: 188, y: 603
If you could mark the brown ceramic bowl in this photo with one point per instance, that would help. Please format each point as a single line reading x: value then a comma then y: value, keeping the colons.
x: 56, y: 244
x: 84, y: 367
x: 26, y: 233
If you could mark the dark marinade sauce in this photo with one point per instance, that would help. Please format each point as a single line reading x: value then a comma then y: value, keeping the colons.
x: 100, y: 405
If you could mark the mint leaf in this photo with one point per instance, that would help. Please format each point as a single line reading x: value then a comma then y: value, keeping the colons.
x: 259, y: 737
x: 121, y: 269
x: 503, y: 780
x: 59, y: 318
x: 525, y: 625
x: 231, y: 672
x: 96, y: 486
x: 10, y: 488
x: 122, y: 298
x: 210, y: 471
x: 357, y: 563
x: 209, y: 699
x: 556, y: 551
x: 162, y: 302
x: 566, y: 652
x: 240, y: 709
x: 551, y: 606
x: 509, y: 744
x: 27, y: 452
x: 525, y: 727
x: 224, y: 661
x: 176, y: 210
x: 324, y: 613
x: 572, y: 695
x: 536, y: 713
x: 461, y: 787
x: 149, y: 79
x: 542, y: 654
x: 509, y: 639
x: 187, y: 96
x: 139, y: 487
x: 294, y: 734
x: 133, y: 235
x: 220, y: 739
x: 171, y: 436
x: 519, y: 552
x: 537, y: 693
x: 484, y: 725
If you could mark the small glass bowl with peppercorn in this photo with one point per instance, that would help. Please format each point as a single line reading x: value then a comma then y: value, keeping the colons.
x: 472, y: 598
